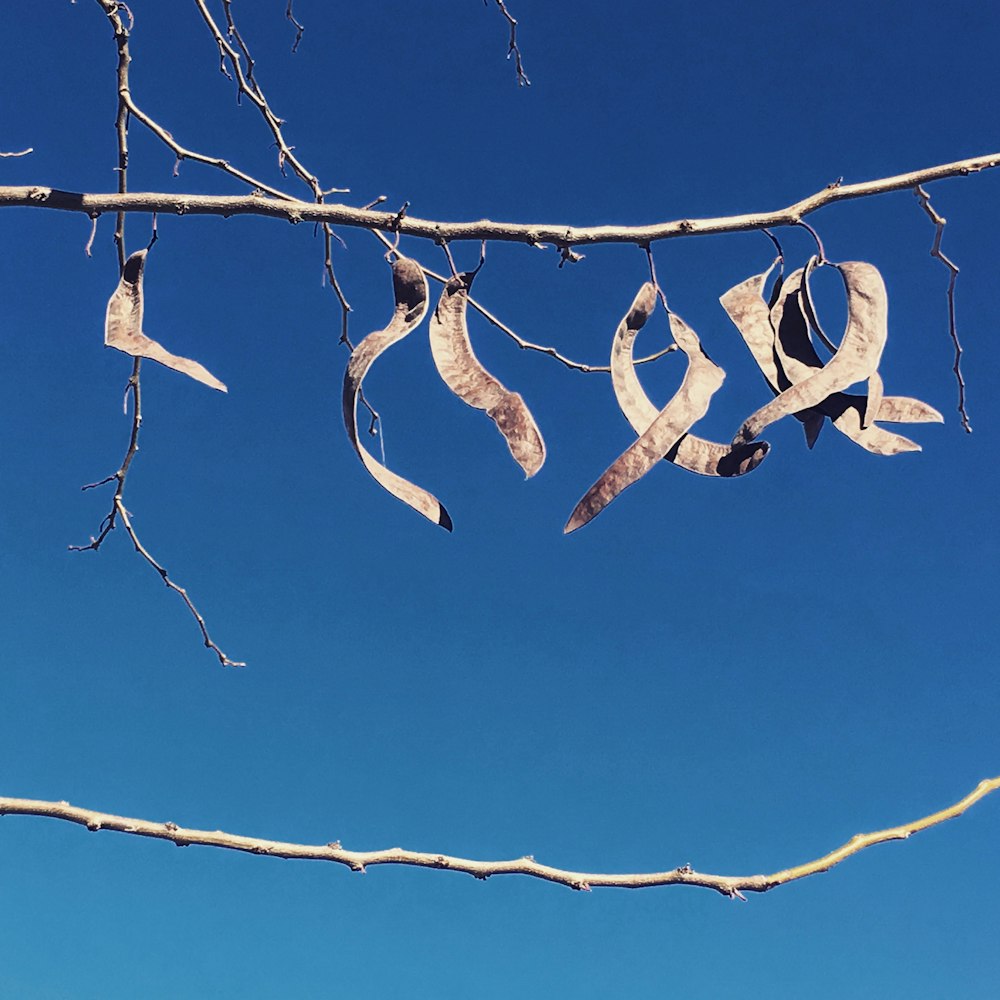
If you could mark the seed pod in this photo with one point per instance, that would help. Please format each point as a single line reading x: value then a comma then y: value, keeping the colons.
x: 751, y: 315
x: 123, y: 326
x: 701, y: 381
x: 706, y: 458
x: 875, y: 386
x: 799, y: 359
x: 463, y: 373
x: 410, y: 291
x: 857, y: 357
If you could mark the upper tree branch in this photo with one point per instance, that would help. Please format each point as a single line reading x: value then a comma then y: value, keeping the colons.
x: 512, y: 232
x: 728, y: 885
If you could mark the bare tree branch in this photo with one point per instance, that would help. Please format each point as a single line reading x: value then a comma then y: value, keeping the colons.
x: 560, y: 235
x: 727, y: 885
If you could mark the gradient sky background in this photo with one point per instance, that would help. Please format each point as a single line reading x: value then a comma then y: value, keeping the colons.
x: 736, y: 674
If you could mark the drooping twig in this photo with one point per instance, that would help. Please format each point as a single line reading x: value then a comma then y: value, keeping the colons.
x: 512, y: 49
x: 37, y: 196
x: 940, y: 222
x: 733, y: 886
x: 118, y: 511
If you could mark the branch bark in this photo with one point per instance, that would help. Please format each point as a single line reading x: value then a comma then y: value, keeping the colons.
x: 727, y: 885
x: 296, y: 211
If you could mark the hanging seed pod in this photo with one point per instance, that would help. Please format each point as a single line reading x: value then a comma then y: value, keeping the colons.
x: 799, y: 360
x: 463, y: 373
x: 856, y: 359
x: 689, y: 404
x: 409, y: 288
x: 706, y: 458
x: 751, y: 315
x: 875, y: 386
x: 123, y: 326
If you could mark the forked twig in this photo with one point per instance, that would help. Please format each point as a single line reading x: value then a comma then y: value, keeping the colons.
x: 733, y: 886
x: 940, y: 222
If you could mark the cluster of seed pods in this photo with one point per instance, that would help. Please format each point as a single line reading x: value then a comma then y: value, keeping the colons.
x: 779, y: 333
x: 460, y: 370
x: 778, y: 336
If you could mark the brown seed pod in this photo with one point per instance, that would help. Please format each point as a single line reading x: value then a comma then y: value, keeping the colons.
x: 857, y: 357
x: 875, y: 386
x: 750, y: 313
x: 689, y: 404
x: 706, y: 458
x: 123, y: 326
x: 799, y: 360
x: 464, y: 374
x: 409, y: 288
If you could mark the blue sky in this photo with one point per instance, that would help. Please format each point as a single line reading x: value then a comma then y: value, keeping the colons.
x: 735, y: 674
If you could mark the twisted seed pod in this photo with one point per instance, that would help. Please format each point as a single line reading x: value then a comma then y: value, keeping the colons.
x: 123, y: 326
x: 463, y: 373
x: 800, y: 361
x: 857, y: 357
x: 409, y: 288
x: 706, y: 458
x: 751, y: 315
x: 875, y: 386
x: 689, y: 404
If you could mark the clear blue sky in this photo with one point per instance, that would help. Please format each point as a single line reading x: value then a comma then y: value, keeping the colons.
x: 736, y: 674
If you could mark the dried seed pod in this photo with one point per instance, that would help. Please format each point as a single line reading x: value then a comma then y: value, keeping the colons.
x: 875, y: 386
x: 689, y: 404
x: 410, y: 291
x: 123, y: 326
x: 751, y: 315
x: 798, y: 358
x: 857, y: 357
x: 463, y: 373
x: 706, y: 458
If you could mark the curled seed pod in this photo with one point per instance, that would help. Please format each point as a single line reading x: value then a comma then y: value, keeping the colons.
x: 800, y: 361
x: 857, y: 357
x: 410, y: 292
x: 706, y: 458
x: 463, y: 373
x: 123, y: 326
x: 689, y: 404
x: 751, y: 315
x: 875, y: 386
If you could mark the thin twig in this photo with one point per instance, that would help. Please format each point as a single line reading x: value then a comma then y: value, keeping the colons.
x: 299, y: 28
x: 940, y: 222
x: 23, y: 152
x: 296, y: 211
x: 733, y: 886
x: 247, y: 84
x: 165, y: 576
x: 512, y: 49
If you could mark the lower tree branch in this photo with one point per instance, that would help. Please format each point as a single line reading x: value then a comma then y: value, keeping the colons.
x: 561, y: 236
x: 728, y: 885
